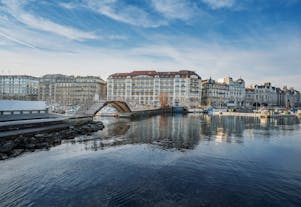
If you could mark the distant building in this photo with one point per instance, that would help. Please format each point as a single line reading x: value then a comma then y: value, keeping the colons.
x: 291, y: 97
x: 19, y: 87
x: 250, y: 96
x: 223, y: 94
x: 152, y: 88
x: 268, y: 95
x: 71, y: 90
x: 263, y: 95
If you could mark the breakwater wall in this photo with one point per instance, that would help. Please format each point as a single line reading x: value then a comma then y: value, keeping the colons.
x: 23, y: 136
x: 145, y: 113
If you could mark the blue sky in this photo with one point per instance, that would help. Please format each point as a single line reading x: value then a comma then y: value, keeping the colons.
x: 258, y: 40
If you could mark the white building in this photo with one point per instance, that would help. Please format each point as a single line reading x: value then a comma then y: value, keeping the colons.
x: 262, y: 95
x: 291, y: 97
x: 19, y: 87
x: 237, y: 91
x: 224, y: 93
x: 152, y: 88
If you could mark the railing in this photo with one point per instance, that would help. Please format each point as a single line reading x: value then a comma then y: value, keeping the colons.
x: 14, y: 112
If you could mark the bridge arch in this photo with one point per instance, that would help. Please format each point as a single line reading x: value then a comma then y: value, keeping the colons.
x: 120, y: 106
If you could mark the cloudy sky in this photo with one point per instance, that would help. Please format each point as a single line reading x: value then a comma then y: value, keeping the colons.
x: 258, y: 40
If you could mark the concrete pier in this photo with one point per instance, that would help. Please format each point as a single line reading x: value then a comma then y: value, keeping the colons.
x: 32, y: 126
x: 145, y: 113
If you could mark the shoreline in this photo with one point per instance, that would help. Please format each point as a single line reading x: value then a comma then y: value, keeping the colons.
x: 259, y: 115
x: 15, y: 145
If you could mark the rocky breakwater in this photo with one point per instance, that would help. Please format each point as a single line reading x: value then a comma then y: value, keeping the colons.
x: 14, y: 146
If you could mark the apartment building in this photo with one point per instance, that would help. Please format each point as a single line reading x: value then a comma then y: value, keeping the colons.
x: 262, y: 95
x: 223, y: 93
x: 152, y: 88
x: 291, y: 97
x: 71, y: 90
x: 19, y: 87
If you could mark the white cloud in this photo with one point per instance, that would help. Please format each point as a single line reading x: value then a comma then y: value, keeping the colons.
x: 15, y: 8
x: 125, y: 13
x: 175, y: 9
x: 67, y: 5
x: 13, y: 39
x: 278, y: 62
x: 45, y: 25
x: 217, y: 4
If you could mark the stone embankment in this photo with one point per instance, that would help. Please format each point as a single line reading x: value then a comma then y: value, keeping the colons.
x: 16, y: 145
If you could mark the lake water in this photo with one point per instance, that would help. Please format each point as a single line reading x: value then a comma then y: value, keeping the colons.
x: 180, y: 160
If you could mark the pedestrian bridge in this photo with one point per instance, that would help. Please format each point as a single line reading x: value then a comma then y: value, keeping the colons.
x: 120, y: 106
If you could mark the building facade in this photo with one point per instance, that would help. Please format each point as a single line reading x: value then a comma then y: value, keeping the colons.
x: 224, y: 93
x: 19, y: 87
x: 291, y: 97
x: 71, y: 90
x: 155, y: 89
x: 263, y: 95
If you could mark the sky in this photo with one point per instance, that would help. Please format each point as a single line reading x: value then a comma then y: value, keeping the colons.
x: 257, y: 40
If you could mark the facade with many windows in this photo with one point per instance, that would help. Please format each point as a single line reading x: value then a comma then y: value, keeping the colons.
x: 224, y: 93
x: 71, y: 90
x: 262, y: 95
x: 268, y: 95
x: 291, y: 97
x: 19, y: 87
x: 155, y: 89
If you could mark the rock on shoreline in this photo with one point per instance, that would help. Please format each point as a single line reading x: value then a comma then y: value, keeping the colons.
x: 24, y: 143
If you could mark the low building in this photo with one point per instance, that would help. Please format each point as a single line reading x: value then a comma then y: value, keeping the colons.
x: 17, y: 107
x: 224, y: 93
x: 71, y: 90
x: 19, y: 87
x: 155, y: 89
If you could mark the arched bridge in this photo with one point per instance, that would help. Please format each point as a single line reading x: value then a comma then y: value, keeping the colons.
x: 120, y: 106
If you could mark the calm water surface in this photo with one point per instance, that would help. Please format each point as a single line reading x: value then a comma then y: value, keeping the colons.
x: 164, y: 161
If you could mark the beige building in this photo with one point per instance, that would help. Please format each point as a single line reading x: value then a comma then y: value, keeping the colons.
x: 262, y: 95
x: 152, y: 88
x: 71, y: 90
x: 223, y: 93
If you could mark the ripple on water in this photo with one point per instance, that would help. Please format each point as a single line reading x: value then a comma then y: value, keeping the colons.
x: 163, y: 161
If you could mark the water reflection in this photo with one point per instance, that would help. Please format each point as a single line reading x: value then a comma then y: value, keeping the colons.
x: 185, y: 132
x: 148, y: 168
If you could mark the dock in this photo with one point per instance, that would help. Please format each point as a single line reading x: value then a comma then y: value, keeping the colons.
x: 258, y: 115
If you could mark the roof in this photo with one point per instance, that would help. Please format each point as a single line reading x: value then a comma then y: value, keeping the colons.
x: 19, y: 76
x: 153, y: 73
x: 7, y: 105
x: 240, y: 80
